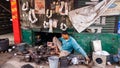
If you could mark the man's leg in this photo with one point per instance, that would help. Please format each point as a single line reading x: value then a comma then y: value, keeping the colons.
x: 57, y: 42
x: 64, y: 53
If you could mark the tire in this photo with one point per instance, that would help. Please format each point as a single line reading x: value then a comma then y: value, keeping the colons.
x: 4, y: 44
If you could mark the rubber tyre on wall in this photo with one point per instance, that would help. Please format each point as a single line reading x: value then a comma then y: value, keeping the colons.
x: 4, y: 44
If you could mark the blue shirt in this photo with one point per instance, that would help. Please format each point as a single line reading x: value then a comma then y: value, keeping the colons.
x: 70, y: 44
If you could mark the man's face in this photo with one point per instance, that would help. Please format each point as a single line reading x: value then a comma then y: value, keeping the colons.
x: 65, y: 36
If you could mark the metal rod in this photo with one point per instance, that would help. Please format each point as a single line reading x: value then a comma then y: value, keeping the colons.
x: 5, y: 8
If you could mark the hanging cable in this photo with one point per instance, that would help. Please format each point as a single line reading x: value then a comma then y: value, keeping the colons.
x: 25, y: 6
x: 46, y: 24
x: 32, y: 15
x: 49, y: 15
x: 63, y: 26
x: 64, y: 5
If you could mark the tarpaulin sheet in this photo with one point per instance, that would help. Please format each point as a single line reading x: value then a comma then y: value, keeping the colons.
x: 83, y: 17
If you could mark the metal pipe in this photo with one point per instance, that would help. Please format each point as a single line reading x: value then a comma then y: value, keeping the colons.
x: 5, y: 8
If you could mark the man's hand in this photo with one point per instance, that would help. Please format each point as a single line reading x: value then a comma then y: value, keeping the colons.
x: 51, y: 45
x: 87, y: 59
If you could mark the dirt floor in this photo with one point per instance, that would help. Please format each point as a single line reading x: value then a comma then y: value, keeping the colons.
x: 4, y: 57
x: 7, y: 60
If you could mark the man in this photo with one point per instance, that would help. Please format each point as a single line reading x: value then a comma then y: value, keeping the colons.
x: 67, y: 45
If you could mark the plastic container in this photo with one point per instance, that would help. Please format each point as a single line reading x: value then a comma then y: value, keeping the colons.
x: 53, y: 61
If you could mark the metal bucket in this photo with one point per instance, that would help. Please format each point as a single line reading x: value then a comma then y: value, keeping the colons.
x: 53, y: 61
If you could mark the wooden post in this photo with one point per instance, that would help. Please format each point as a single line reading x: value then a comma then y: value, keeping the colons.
x: 15, y: 21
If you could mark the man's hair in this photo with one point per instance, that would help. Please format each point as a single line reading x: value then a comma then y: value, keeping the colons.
x: 65, y: 32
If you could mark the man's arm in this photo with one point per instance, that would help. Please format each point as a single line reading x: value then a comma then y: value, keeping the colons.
x: 78, y: 48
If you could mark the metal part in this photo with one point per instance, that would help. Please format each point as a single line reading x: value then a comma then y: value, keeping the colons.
x: 99, y: 60
x: 37, y: 54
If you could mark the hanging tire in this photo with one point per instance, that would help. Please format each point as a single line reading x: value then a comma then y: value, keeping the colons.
x: 4, y: 44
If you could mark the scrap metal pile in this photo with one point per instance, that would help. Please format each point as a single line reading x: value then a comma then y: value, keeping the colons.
x: 40, y: 54
x: 37, y: 54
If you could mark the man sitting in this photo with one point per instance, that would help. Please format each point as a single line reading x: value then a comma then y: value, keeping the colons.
x: 66, y: 44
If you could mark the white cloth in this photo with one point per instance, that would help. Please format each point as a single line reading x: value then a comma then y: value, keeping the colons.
x: 97, y: 45
x: 105, y: 53
x: 56, y: 42
x: 83, y: 17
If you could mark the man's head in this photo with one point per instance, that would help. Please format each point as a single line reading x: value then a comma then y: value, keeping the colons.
x: 65, y: 35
